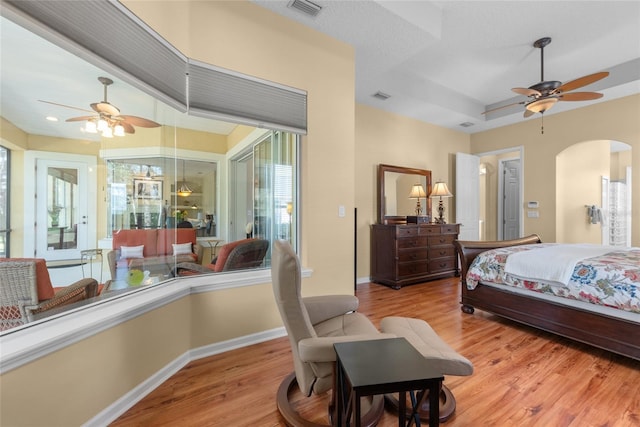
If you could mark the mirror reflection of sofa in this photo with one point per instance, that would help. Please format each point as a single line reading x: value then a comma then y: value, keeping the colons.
x: 238, y: 255
x: 153, y: 250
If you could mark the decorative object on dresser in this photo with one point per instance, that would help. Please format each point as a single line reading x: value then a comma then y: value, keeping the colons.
x: 405, y: 254
x: 417, y: 192
x: 440, y: 190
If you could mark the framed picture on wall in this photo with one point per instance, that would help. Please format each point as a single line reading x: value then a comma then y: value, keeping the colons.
x: 147, y: 189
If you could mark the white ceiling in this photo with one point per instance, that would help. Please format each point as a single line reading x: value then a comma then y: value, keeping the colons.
x: 445, y: 62
x: 442, y: 62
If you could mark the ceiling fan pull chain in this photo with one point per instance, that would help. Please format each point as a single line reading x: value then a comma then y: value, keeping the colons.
x: 542, y: 125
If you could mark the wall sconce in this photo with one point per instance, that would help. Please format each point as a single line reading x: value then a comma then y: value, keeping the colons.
x: 440, y: 190
x: 417, y: 192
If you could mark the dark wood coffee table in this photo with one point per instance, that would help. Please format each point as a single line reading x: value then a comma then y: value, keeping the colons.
x: 365, y: 368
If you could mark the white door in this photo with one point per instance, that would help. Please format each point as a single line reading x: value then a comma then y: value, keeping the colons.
x: 511, y: 199
x: 467, y: 194
x: 62, y: 214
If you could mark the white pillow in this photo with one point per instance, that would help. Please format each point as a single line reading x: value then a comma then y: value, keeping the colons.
x: 181, y: 248
x: 131, y: 251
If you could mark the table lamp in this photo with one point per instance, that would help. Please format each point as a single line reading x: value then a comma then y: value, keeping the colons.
x: 417, y: 192
x: 440, y: 190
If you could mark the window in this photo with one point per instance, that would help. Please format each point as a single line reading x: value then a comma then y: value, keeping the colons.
x: 133, y: 180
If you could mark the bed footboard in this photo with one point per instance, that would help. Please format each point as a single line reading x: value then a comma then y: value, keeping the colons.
x: 612, y: 334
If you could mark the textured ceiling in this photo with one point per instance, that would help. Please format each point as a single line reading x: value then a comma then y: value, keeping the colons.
x: 445, y: 62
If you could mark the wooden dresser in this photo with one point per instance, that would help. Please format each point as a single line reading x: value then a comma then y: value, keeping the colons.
x: 404, y: 254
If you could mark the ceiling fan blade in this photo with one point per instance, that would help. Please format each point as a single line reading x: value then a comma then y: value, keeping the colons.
x: 528, y: 113
x: 526, y: 91
x: 139, y: 121
x: 504, y: 106
x: 579, y: 96
x: 80, y: 119
x: 582, y: 81
x: 128, y: 128
x: 105, y: 108
x: 66, y: 106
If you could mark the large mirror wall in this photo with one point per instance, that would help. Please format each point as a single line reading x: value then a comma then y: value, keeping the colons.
x: 101, y: 196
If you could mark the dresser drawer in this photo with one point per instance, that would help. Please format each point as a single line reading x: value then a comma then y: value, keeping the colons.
x: 406, y: 231
x: 443, y: 239
x: 442, y: 264
x: 406, y: 255
x: 412, y: 268
x: 441, y: 252
x: 449, y: 229
x: 412, y: 242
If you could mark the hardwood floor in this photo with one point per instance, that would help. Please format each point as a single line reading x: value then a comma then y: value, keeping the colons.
x: 522, y: 376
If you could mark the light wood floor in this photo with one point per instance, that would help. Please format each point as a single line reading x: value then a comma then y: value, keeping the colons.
x: 523, y: 377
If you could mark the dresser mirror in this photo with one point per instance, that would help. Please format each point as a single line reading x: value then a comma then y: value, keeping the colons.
x: 395, y: 185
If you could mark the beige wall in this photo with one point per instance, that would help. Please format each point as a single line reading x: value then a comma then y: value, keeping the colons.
x: 101, y: 369
x: 387, y: 138
x: 579, y: 171
x: 610, y: 120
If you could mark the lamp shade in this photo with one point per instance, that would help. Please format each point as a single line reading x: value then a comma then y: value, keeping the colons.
x: 541, y: 105
x: 440, y: 190
x: 417, y: 192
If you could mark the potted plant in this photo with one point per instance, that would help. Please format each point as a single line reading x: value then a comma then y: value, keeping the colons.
x: 54, y: 214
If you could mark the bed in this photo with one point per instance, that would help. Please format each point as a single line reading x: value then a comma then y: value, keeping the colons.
x: 599, y: 325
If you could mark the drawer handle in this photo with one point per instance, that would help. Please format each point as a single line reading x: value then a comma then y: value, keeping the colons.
x: 443, y: 252
x: 443, y: 240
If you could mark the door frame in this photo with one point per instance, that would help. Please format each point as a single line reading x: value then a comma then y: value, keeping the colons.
x: 30, y: 186
x: 520, y: 150
x: 501, y: 196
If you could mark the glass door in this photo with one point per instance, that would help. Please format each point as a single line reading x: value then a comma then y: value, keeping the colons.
x: 62, y: 209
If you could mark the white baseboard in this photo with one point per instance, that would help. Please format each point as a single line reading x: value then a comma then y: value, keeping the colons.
x: 123, y: 404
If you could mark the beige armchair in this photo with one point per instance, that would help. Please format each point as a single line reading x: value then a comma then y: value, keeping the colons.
x: 26, y: 290
x: 313, y: 325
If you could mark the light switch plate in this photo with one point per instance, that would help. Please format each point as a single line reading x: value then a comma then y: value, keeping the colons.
x: 533, y: 214
x: 341, y: 211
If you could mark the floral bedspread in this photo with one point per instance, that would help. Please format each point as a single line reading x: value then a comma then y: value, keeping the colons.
x: 611, y: 280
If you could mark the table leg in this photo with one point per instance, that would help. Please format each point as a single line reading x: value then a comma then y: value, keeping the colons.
x: 434, y: 403
x: 402, y: 408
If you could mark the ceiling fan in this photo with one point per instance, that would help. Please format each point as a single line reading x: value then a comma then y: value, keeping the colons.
x: 544, y: 95
x: 108, y: 120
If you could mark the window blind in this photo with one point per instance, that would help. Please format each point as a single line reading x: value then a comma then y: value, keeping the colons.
x: 108, y: 35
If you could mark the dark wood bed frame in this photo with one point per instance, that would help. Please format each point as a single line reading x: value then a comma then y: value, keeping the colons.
x: 610, y: 333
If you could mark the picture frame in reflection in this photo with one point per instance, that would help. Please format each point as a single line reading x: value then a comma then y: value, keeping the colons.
x: 147, y: 189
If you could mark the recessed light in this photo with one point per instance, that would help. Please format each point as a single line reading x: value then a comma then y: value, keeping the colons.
x: 52, y: 119
x: 466, y: 124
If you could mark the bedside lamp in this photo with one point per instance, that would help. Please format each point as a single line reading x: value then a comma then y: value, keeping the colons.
x: 440, y: 190
x: 417, y: 192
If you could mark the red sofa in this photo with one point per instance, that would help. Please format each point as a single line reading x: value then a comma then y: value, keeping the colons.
x: 157, y: 252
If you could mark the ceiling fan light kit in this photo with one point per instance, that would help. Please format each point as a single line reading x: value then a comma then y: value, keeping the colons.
x: 108, y: 121
x: 545, y: 94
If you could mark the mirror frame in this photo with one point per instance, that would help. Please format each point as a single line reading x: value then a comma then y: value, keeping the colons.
x: 382, y: 168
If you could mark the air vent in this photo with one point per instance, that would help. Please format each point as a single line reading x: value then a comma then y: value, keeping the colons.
x: 381, y: 96
x: 466, y: 124
x: 305, y: 6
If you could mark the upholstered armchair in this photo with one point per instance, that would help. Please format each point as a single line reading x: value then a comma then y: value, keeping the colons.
x: 26, y: 290
x: 238, y: 255
x: 313, y: 325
